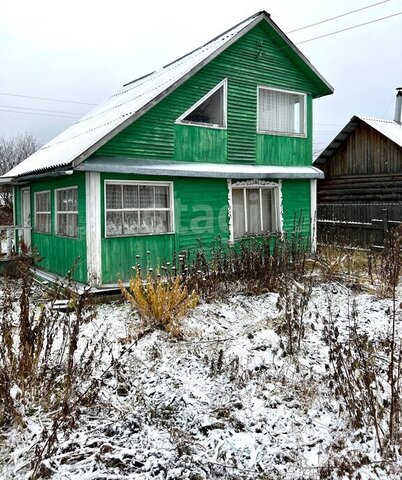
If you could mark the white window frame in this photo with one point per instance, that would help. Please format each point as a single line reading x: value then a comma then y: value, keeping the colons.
x: 139, y: 183
x: 49, y: 213
x: 57, y: 212
x: 277, y: 208
x: 303, y: 134
x: 181, y: 121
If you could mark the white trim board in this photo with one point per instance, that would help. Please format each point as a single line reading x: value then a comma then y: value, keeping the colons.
x: 93, y: 228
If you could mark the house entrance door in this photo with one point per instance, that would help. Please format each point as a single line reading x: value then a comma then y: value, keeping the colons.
x: 26, y: 216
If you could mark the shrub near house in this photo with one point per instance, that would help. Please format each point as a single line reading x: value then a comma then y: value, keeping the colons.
x: 217, y: 143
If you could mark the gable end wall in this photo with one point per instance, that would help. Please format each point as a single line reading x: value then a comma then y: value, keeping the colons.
x: 255, y: 59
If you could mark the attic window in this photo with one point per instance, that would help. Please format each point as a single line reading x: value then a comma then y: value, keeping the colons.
x: 281, y: 112
x: 209, y: 111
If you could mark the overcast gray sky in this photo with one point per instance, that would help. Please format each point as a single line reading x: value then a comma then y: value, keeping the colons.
x: 84, y: 51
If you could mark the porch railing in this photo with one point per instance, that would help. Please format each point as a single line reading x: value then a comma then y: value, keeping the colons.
x: 10, y: 236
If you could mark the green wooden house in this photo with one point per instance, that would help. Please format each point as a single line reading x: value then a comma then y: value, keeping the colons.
x: 217, y: 143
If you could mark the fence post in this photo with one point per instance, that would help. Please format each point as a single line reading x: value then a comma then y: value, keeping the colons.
x: 385, y: 227
x: 9, y: 242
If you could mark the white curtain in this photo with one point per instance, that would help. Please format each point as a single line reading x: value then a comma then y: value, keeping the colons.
x: 281, y: 112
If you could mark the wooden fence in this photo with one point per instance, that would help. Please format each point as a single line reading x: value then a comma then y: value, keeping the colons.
x: 357, y: 224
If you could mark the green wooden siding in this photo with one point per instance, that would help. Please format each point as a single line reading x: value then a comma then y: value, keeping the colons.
x: 284, y: 150
x: 58, y: 253
x: 200, y: 144
x: 258, y: 58
x: 296, y: 202
x: 202, y: 206
x: 200, y: 214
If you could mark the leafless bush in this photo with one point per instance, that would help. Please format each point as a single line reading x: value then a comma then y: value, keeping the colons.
x: 292, y: 304
x: 44, y: 361
x: 253, y: 266
x: 13, y: 150
x: 389, y: 264
x: 366, y: 374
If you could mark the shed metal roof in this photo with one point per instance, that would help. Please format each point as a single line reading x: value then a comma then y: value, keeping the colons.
x: 95, y: 128
x: 389, y: 128
x: 197, y: 169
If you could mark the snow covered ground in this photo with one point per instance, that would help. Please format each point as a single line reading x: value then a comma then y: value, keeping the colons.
x: 225, y: 402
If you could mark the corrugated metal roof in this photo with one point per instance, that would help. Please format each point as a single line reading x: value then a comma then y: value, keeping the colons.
x: 388, y: 128
x: 94, y: 129
x: 105, y: 118
x: 197, y: 169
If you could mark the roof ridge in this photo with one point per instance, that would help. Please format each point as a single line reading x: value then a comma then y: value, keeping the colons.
x: 385, y: 120
x: 255, y: 15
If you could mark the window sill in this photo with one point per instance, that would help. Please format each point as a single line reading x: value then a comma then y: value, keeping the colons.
x: 203, y: 125
x: 38, y: 232
x: 137, y: 235
x: 257, y: 235
x: 282, y: 134
x: 66, y: 236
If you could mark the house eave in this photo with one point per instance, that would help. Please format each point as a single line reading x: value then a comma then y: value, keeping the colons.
x: 132, y: 166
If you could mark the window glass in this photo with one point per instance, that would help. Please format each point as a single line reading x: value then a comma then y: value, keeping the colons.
x: 42, y: 212
x: 67, y: 212
x: 253, y: 211
x: 143, y: 210
x: 281, y: 112
x: 114, y: 223
x: 147, y: 222
x: 161, y: 197
x: 113, y: 196
x: 268, y: 210
x: 239, y: 226
x: 161, y: 221
x: 130, y: 223
x: 130, y: 196
x: 210, y: 111
x: 146, y: 196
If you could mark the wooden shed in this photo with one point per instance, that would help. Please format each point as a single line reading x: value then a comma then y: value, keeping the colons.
x: 363, y: 180
x: 215, y: 144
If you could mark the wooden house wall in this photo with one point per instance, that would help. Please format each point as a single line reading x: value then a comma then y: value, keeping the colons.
x: 201, y: 219
x: 59, y: 254
x: 257, y: 58
x: 366, y: 168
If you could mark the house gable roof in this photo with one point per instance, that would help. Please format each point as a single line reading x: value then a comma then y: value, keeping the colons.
x: 94, y: 129
x: 388, y: 128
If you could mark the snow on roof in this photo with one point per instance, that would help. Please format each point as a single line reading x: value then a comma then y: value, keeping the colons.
x: 114, y: 113
x: 388, y: 128
x: 108, y: 119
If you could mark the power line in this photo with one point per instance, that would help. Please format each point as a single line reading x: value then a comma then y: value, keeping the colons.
x: 41, y: 110
x: 47, y: 99
x: 349, y: 28
x: 286, y: 46
x: 337, y: 16
x: 40, y: 114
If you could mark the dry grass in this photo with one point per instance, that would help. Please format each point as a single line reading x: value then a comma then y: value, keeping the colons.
x: 161, y: 303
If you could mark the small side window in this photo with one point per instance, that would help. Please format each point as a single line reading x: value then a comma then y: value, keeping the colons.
x: 42, y: 212
x: 67, y: 212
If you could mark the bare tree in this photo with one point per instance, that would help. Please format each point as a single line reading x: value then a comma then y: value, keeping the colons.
x: 13, y: 150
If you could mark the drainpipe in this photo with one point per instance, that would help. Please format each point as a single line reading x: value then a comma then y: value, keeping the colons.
x: 398, y: 106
